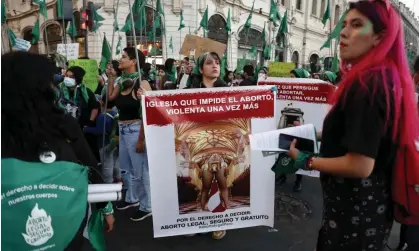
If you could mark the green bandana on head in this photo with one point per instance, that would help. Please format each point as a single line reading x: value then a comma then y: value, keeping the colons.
x: 331, y: 76
x: 301, y: 73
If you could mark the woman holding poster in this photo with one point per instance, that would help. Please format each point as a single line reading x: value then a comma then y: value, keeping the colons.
x: 132, y: 154
x: 368, y: 133
x: 206, y: 75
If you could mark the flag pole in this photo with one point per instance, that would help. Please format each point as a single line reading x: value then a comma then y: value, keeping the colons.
x: 180, y: 43
x: 46, y: 34
x: 64, y: 30
x: 133, y: 32
x: 153, y: 57
x: 104, y: 114
x: 113, y: 32
x: 330, y: 21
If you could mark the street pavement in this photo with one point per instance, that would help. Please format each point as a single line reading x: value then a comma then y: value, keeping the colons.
x: 298, y: 217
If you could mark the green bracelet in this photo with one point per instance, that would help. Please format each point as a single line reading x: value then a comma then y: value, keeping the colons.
x: 108, y: 209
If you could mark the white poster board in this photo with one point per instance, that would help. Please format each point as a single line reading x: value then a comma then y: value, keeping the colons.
x: 70, y: 51
x: 303, y: 100
x: 192, y: 136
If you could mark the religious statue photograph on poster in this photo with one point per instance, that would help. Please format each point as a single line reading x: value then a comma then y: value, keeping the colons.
x: 213, y: 165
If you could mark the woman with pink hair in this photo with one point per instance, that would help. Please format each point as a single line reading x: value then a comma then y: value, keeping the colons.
x: 370, y: 125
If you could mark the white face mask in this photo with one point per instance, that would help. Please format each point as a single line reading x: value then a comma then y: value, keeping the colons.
x: 261, y: 76
x: 69, y: 82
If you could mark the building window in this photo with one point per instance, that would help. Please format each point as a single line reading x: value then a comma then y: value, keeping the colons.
x: 322, y: 7
x: 314, y: 8
x: 216, y: 29
x: 337, y: 14
x: 299, y: 5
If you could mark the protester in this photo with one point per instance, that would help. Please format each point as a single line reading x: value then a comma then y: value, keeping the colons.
x: 228, y: 78
x: 330, y: 77
x: 248, y: 73
x: 32, y: 122
x: 366, y: 132
x: 409, y: 233
x: 281, y: 179
x: 207, y: 73
x: 132, y: 151
x: 170, y: 77
x: 85, y: 102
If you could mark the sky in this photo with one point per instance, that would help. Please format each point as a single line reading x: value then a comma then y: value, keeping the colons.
x: 413, y: 5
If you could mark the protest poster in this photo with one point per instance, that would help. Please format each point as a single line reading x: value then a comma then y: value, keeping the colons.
x: 302, y: 100
x: 91, y: 68
x: 70, y: 51
x: 280, y: 69
x: 200, y: 46
x: 208, y: 179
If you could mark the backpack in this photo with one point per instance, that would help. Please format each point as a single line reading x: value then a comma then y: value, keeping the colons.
x: 405, y: 186
x: 43, y: 203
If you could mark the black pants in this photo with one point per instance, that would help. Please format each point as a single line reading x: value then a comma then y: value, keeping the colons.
x: 92, y: 141
x: 410, y: 236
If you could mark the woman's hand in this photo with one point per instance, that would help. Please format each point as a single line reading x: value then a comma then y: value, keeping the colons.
x: 293, y: 153
x: 140, y: 93
x: 110, y: 220
x: 140, y: 146
x: 110, y: 70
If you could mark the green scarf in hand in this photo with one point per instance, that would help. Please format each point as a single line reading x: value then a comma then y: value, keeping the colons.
x: 66, y: 93
x: 171, y: 75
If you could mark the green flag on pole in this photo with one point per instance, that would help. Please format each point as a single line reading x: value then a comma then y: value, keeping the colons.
x: 284, y: 23
x: 35, y: 32
x: 159, y: 8
x: 106, y: 55
x: 274, y: 15
x: 336, y: 31
x: 228, y: 23
x: 253, y: 52
x: 248, y: 23
x: 127, y: 27
x: 72, y: 30
x: 12, y: 37
x: 3, y: 12
x: 326, y: 15
x: 171, y: 43
x: 42, y: 7
x: 119, y: 46
x: 181, y: 23
x: 96, y: 19
x: 60, y: 8
x: 204, y: 21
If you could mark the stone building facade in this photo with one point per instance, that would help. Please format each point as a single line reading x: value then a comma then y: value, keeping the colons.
x: 302, y: 45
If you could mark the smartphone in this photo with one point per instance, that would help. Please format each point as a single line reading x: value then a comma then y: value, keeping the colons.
x: 306, y: 145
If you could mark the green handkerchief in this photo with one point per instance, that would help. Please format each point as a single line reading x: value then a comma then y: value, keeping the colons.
x: 284, y: 165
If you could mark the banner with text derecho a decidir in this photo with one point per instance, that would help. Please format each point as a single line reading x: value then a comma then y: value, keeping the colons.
x: 302, y: 100
x: 203, y: 175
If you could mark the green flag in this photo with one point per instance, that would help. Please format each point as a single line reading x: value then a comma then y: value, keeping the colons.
x: 267, y: 52
x: 35, y: 32
x: 274, y: 15
x: 181, y: 23
x: 44, y: 207
x: 223, y: 66
x: 248, y: 23
x: 326, y: 15
x: 60, y: 8
x: 42, y: 7
x: 204, y: 21
x: 96, y: 19
x: 12, y: 37
x: 72, y: 30
x: 119, y: 46
x: 264, y: 33
x: 115, y: 22
x: 128, y: 26
x: 140, y: 23
x: 335, y: 64
x: 3, y: 12
x: 284, y: 23
x: 159, y: 8
x: 106, y: 55
x: 253, y: 52
x: 336, y: 31
x: 171, y: 43
x: 228, y: 23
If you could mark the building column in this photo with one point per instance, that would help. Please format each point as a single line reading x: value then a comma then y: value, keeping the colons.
x: 234, y: 51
